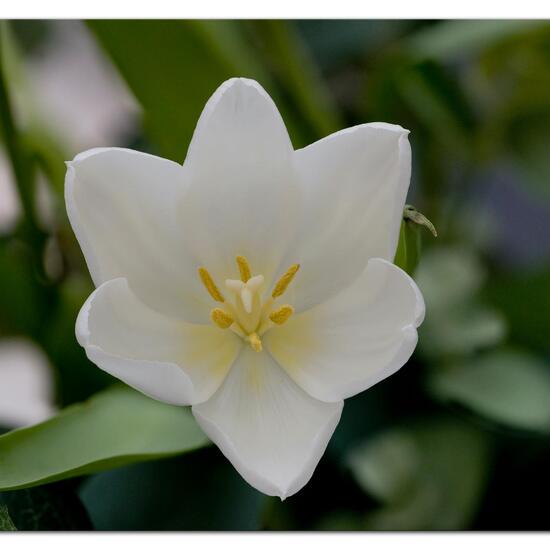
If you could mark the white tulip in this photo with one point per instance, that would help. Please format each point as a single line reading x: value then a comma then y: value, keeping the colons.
x: 254, y: 282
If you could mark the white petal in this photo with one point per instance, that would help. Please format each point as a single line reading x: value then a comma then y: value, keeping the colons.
x: 271, y: 431
x: 354, y: 183
x: 242, y: 199
x: 165, y: 358
x: 354, y: 340
x: 122, y: 207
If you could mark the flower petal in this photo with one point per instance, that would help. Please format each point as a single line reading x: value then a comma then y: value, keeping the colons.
x: 354, y: 185
x: 122, y: 207
x: 271, y: 431
x: 242, y: 199
x: 166, y: 359
x: 354, y: 340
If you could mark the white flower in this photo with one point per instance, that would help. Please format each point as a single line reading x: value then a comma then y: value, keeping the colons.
x: 26, y: 384
x: 254, y: 282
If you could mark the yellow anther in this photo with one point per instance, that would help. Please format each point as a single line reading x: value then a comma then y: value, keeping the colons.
x: 210, y: 285
x: 285, y: 280
x: 244, y: 268
x: 221, y: 318
x: 255, y: 342
x: 281, y: 315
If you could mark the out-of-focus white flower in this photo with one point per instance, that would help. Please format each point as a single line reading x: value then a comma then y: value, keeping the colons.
x: 26, y: 385
x: 72, y: 80
x: 254, y: 282
x: 9, y: 201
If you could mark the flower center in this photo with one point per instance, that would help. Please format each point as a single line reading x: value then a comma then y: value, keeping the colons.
x: 247, y: 314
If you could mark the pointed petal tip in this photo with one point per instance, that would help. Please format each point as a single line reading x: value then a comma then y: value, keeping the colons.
x: 239, y: 87
x: 398, y: 129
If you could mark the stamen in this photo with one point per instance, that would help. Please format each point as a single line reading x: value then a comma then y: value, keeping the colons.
x: 255, y: 342
x: 221, y: 318
x: 244, y: 268
x: 285, y: 280
x: 281, y: 315
x: 210, y: 285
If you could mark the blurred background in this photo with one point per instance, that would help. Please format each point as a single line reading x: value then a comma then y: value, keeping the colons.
x: 457, y: 439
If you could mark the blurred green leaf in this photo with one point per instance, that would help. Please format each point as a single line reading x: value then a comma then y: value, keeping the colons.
x: 173, y: 67
x: 342, y: 521
x: 467, y: 328
x: 509, y: 387
x: 21, y: 301
x: 198, y: 491
x: 513, y: 85
x: 78, y: 378
x: 116, y: 427
x: 428, y: 476
x: 449, y: 276
x: 529, y: 137
x: 458, y: 322
x: 54, y: 507
x: 456, y: 39
x: 386, y: 467
x: 440, y: 103
x: 334, y: 42
x: 6, y: 523
x: 298, y: 75
x: 524, y: 298
x: 48, y: 155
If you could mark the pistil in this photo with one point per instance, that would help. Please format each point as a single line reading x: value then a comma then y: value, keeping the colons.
x: 249, y: 317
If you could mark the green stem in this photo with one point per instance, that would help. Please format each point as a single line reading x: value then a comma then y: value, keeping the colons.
x: 299, y: 73
x: 20, y: 163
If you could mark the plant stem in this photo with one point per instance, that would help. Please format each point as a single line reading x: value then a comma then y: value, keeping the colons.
x: 19, y: 160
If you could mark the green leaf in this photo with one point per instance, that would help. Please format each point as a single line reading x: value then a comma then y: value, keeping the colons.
x: 509, y: 387
x: 173, y: 67
x: 465, y: 329
x: 78, y: 378
x: 299, y: 75
x: 449, y: 276
x: 457, y: 323
x: 341, y: 521
x: 440, y: 104
x: 386, y: 467
x: 21, y: 300
x: 197, y: 491
x: 408, y: 247
x: 54, y: 507
x: 524, y: 298
x: 118, y: 426
x: 452, y: 39
x: 428, y: 476
x: 6, y: 523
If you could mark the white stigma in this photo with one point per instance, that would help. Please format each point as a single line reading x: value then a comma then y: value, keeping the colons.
x: 246, y: 290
